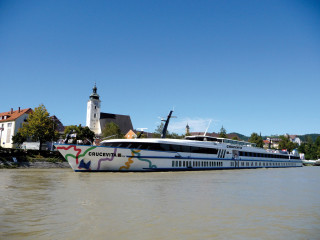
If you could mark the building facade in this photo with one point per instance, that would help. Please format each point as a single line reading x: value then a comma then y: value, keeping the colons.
x: 10, y: 122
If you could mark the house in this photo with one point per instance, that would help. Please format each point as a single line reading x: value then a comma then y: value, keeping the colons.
x: 130, y: 135
x: 273, y: 142
x: 295, y: 139
x: 10, y: 122
x: 97, y: 120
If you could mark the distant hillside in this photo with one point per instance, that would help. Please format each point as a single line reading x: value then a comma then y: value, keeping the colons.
x: 242, y: 137
x: 312, y: 135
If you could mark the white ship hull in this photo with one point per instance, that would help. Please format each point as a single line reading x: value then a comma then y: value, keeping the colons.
x: 103, y: 158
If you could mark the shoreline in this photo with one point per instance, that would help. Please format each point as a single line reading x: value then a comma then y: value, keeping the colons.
x: 34, y: 165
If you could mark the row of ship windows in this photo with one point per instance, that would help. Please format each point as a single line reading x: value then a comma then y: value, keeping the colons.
x: 196, y: 164
x: 265, y: 155
x: 233, y: 164
x: 263, y: 164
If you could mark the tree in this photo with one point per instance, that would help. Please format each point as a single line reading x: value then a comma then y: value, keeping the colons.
x: 158, y: 131
x: 85, y: 134
x: 317, y: 142
x: 285, y: 143
x: 111, y: 131
x: 309, y: 148
x: 255, y: 138
x: 39, y: 127
x: 223, y: 132
x: 81, y: 133
x: 18, y: 138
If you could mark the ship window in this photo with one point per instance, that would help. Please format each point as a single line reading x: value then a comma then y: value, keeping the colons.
x: 175, y: 148
x: 194, y: 149
x: 165, y: 147
x: 185, y: 148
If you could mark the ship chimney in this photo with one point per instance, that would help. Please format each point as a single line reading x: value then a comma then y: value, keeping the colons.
x: 11, y: 110
x: 19, y: 109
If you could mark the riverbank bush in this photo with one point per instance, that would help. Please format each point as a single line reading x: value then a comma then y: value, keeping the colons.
x: 21, y: 155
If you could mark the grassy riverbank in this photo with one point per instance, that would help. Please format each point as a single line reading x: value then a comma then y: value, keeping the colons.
x: 17, y: 158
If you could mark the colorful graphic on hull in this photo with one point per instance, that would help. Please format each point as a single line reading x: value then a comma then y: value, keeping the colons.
x: 82, y: 164
x: 136, y: 154
x: 107, y: 159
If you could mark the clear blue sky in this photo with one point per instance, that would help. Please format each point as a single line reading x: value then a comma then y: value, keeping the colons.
x: 251, y: 66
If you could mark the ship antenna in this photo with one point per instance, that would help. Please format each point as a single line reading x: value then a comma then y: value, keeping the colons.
x: 164, y: 131
x: 207, y: 128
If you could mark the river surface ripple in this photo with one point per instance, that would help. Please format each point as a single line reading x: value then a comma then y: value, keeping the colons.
x: 222, y: 204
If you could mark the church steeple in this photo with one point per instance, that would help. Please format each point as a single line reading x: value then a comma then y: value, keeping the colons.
x: 94, y: 94
x: 93, y: 111
x: 187, y: 130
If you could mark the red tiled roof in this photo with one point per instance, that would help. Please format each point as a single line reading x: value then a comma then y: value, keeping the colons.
x: 11, y: 116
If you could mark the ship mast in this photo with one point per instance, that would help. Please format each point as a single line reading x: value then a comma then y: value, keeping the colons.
x: 164, y: 131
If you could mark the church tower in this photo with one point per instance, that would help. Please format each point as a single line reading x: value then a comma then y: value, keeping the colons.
x: 93, y: 111
x: 187, y: 130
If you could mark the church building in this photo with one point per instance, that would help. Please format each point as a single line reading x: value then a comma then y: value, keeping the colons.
x: 97, y: 120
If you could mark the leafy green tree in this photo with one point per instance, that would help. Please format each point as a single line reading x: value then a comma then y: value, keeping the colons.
x: 81, y: 133
x: 285, y: 143
x: 317, y: 142
x: 255, y: 138
x: 175, y: 136
x: 223, y: 132
x: 112, y: 131
x: 85, y: 134
x: 158, y: 131
x: 310, y: 148
x: 18, y: 138
x: 39, y: 127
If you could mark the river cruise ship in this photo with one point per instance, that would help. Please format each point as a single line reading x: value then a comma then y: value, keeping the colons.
x: 190, y: 154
